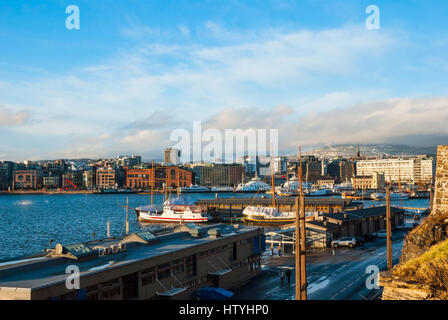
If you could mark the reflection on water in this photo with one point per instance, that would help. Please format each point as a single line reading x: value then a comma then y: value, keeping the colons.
x: 28, y: 222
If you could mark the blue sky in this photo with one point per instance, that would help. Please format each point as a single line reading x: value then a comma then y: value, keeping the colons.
x: 136, y: 70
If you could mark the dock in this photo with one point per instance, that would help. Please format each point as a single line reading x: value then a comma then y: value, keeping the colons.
x: 227, y: 209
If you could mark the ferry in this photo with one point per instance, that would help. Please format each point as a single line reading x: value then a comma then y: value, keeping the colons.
x: 173, y: 211
x: 254, y: 185
x: 194, y: 189
x: 222, y: 189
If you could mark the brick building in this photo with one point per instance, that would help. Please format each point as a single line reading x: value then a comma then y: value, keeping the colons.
x: 25, y: 179
x: 105, y: 178
x: 171, y: 175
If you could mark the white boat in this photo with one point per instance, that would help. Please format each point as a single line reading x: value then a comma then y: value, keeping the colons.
x: 267, y: 215
x: 343, y: 187
x: 254, y: 185
x: 293, y: 185
x: 393, y: 196
x: 222, y: 189
x: 319, y: 192
x: 194, y: 188
x: 174, y: 210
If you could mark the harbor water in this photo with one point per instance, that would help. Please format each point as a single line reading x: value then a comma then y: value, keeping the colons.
x: 28, y: 222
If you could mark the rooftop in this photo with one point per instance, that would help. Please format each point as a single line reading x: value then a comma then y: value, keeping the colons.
x: 280, y: 201
x: 44, y: 271
x: 361, y: 213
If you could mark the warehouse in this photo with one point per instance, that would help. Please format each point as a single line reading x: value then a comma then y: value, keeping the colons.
x: 140, y: 266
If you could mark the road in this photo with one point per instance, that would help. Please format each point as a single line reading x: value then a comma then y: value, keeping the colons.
x: 338, y: 274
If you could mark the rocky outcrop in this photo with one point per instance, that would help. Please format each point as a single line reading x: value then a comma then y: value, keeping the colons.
x: 398, y: 289
x: 435, y: 228
x: 409, y: 280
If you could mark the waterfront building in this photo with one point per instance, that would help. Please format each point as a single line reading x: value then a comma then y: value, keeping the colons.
x: 172, y: 156
x: 178, y: 176
x: 220, y: 174
x: 141, y: 265
x: 25, y: 180
x: 419, y: 170
x: 106, y: 178
x: 51, y: 182
x: 72, y: 179
x: 374, y: 182
x: 173, y: 176
x: 139, y: 178
x: 6, y: 174
x: 89, y: 178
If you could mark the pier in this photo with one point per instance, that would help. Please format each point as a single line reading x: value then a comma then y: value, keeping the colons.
x: 228, y: 209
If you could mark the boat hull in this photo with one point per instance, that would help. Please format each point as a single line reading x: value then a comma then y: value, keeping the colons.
x: 261, y: 220
x: 159, y: 219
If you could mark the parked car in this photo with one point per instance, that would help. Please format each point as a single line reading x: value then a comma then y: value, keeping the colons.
x: 347, y: 242
x: 380, y: 234
x: 407, y: 226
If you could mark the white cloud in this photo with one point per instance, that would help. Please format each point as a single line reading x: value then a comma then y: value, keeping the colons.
x: 11, y: 118
x: 227, y: 85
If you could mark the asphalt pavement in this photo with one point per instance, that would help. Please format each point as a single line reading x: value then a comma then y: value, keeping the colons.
x: 333, y: 274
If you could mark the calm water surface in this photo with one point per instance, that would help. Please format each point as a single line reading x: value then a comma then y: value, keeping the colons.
x: 28, y: 222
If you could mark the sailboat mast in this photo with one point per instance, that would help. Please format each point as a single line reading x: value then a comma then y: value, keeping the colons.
x: 272, y: 178
x: 300, y: 172
x: 152, y: 182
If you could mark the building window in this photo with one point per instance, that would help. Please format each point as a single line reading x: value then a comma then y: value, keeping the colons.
x: 148, y: 276
x: 191, y: 265
x: 178, y: 266
x: 163, y: 271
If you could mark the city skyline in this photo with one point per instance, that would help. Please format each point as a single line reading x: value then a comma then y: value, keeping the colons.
x: 134, y: 72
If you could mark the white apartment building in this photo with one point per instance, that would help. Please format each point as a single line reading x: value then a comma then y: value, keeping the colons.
x: 412, y: 170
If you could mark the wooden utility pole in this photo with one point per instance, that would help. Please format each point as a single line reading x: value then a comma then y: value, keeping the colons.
x: 127, y: 216
x: 300, y: 243
x: 297, y: 253
x: 389, y: 230
x: 303, y: 290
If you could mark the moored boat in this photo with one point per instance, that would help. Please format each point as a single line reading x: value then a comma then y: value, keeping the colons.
x: 174, y: 211
x: 267, y: 216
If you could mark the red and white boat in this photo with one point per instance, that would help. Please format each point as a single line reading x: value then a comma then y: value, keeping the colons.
x: 175, y: 210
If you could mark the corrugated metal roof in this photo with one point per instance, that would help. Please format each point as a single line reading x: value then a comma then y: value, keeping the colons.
x: 281, y: 201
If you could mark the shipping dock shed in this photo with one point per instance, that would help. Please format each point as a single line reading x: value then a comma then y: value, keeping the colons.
x: 140, y: 266
x: 231, y: 209
x: 324, y: 228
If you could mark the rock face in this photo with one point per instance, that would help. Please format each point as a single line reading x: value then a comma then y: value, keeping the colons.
x: 396, y: 289
x: 435, y: 228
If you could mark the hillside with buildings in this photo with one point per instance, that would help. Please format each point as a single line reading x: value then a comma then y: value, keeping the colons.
x: 370, y: 150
